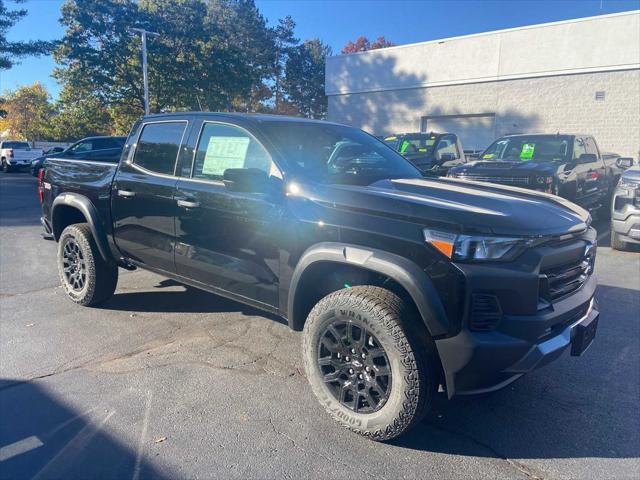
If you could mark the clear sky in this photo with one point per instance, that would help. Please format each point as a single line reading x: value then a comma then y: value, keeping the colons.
x: 337, y: 21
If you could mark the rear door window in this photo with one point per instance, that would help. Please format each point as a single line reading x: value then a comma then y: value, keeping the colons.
x: 158, y: 146
x: 448, y: 144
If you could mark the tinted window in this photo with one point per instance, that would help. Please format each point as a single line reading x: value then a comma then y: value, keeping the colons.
x: 224, y: 146
x: 82, y: 146
x: 336, y: 154
x: 16, y: 145
x: 109, y: 142
x: 158, y: 146
x: 524, y: 148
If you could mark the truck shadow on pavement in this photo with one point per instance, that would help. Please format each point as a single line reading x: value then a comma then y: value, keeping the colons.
x: 43, y: 438
x: 185, y: 300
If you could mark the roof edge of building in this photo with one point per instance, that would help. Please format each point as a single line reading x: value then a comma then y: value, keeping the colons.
x: 490, y: 32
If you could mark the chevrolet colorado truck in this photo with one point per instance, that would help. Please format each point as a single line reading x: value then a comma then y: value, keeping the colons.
x: 16, y: 154
x: 403, y: 286
x: 433, y: 153
x: 570, y: 166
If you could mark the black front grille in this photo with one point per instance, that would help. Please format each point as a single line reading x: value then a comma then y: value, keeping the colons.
x: 560, y: 281
x: 507, y: 180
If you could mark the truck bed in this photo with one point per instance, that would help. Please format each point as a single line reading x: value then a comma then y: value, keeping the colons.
x: 91, y: 179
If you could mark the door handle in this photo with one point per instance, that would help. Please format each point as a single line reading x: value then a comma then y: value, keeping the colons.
x: 187, y: 203
x: 126, y: 193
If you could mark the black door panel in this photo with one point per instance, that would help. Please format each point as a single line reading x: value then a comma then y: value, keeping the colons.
x: 143, y: 197
x: 227, y: 239
x: 144, y: 210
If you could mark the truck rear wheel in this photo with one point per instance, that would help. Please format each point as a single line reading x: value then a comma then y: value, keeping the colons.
x: 86, y: 278
x: 365, y: 368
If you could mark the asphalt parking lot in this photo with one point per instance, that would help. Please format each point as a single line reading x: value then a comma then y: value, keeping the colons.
x: 169, y: 382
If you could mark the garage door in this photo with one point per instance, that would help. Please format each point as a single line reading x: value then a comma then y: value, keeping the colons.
x: 476, y: 131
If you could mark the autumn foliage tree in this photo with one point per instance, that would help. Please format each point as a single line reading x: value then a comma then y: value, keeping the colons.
x: 28, y: 111
x: 362, y: 44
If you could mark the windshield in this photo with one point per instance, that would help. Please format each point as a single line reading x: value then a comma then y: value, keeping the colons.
x: 524, y: 148
x: 412, y: 144
x: 337, y: 154
x: 16, y: 145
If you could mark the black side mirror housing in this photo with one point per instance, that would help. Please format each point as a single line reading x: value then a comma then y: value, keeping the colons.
x: 250, y: 180
x: 587, y: 158
x: 624, y: 162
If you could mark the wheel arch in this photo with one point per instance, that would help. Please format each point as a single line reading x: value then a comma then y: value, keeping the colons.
x: 403, y: 272
x: 69, y: 208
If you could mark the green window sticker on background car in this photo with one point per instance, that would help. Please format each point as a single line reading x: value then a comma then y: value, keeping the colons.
x: 488, y: 155
x: 527, y: 151
x: 404, y: 146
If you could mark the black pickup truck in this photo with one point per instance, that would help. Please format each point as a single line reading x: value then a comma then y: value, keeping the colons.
x: 570, y: 166
x: 402, y: 285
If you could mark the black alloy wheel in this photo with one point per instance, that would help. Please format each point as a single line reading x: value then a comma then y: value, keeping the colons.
x: 73, y: 265
x: 354, y: 366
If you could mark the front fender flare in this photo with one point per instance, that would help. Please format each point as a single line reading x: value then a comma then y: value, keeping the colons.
x: 88, y: 210
x: 403, y: 271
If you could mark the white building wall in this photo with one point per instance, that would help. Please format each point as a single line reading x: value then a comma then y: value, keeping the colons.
x: 541, y: 78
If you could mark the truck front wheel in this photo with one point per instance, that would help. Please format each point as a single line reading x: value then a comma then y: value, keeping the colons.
x: 365, y: 367
x: 86, y: 278
x: 616, y: 243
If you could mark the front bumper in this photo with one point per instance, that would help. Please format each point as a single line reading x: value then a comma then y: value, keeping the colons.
x: 626, y: 220
x: 483, y: 361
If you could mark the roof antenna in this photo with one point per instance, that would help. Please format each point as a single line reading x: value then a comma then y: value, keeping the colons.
x: 199, y: 104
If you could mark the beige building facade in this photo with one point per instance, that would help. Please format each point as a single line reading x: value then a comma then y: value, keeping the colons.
x: 577, y: 76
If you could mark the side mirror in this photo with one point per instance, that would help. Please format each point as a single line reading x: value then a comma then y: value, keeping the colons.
x: 624, y: 162
x: 448, y: 157
x: 587, y: 158
x: 250, y: 180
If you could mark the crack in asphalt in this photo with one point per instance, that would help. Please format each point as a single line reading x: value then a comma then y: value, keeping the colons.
x: 521, y: 467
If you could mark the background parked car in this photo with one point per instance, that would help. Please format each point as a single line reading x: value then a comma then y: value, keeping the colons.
x: 99, y: 149
x: 17, y: 154
x: 570, y: 166
x: 625, y: 210
x: 433, y: 153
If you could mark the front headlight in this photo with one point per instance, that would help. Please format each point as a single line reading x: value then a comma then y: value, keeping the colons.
x: 477, y: 248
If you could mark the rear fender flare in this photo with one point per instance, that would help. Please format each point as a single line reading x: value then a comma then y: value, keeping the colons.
x: 88, y: 210
x: 403, y: 271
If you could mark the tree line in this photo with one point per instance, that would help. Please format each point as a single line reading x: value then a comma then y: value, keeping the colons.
x: 216, y: 55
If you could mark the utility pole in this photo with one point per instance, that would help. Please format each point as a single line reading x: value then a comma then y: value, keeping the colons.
x: 143, y: 33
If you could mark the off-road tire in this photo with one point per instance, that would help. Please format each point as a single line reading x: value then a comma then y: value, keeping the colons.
x: 616, y: 243
x: 100, y: 278
x: 400, y: 331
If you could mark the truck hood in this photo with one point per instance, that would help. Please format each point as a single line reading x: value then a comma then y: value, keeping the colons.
x: 458, y: 205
